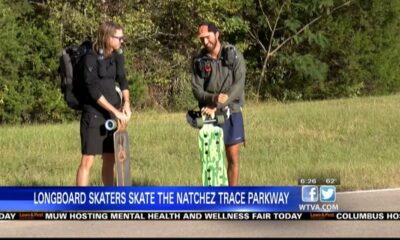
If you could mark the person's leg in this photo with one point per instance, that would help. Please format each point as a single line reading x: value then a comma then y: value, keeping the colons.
x: 83, y: 174
x: 232, y: 155
x: 233, y: 137
x: 107, y: 171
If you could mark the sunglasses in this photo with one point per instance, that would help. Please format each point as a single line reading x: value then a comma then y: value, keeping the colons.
x: 119, y: 38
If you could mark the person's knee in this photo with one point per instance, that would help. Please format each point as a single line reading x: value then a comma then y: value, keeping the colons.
x: 233, y: 160
x: 233, y: 154
x: 87, y: 161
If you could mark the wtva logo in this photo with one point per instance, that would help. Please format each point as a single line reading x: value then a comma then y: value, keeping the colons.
x: 328, y: 194
x: 309, y: 194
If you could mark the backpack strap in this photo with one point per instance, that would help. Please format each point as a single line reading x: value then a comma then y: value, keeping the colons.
x: 228, y: 55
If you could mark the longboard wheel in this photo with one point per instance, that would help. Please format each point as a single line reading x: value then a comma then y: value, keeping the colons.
x: 110, y: 124
x: 220, y: 119
x: 199, y: 122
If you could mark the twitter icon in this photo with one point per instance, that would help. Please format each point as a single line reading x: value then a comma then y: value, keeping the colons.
x: 327, y: 193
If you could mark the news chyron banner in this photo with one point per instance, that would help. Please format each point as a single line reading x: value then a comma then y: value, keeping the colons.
x: 177, y: 203
x: 237, y: 199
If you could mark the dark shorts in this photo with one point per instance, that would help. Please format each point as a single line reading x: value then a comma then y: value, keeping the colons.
x: 95, y: 139
x: 234, y: 129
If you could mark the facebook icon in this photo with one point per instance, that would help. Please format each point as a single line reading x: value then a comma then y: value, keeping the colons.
x: 309, y: 194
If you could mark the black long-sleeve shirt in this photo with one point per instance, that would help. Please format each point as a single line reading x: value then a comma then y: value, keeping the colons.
x: 100, y: 78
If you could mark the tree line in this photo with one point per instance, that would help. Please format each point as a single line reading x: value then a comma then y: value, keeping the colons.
x: 294, y: 50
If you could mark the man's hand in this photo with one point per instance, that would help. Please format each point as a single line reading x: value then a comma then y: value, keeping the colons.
x: 121, y: 117
x: 126, y: 109
x: 118, y: 115
x: 208, y: 111
x: 222, y: 98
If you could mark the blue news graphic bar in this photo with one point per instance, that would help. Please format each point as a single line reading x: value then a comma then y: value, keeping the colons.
x: 231, y: 199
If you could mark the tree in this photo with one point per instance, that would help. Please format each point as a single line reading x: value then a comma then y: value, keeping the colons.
x: 287, y: 24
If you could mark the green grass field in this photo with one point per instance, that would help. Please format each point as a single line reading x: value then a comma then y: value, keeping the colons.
x: 354, y: 139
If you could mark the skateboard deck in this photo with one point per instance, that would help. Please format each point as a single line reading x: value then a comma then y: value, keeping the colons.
x: 122, y: 160
x: 212, y: 155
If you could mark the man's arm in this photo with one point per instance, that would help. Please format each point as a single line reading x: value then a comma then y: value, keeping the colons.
x: 91, y: 78
x: 121, y: 76
x: 126, y: 106
x: 204, y: 98
x: 123, y: 84
x: 102, y: 101
x: 92, y: 83
x: 237, y: 88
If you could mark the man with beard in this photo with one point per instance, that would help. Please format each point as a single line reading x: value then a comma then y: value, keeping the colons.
x: 218, y: 77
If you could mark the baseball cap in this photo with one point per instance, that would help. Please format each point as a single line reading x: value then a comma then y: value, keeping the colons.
x: 205, y: 29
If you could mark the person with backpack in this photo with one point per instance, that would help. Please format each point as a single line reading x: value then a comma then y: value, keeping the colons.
x: 218, y: 78
x: 103, y: 66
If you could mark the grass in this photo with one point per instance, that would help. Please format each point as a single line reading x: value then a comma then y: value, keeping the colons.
x: 355, y: 140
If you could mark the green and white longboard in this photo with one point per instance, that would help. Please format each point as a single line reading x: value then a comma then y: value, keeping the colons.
x: 212, y: 154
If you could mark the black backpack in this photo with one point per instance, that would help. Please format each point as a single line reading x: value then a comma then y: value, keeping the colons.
x: 71, y: 72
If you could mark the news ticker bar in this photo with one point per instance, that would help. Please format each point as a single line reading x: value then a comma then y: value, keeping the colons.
x: 202, y: 216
